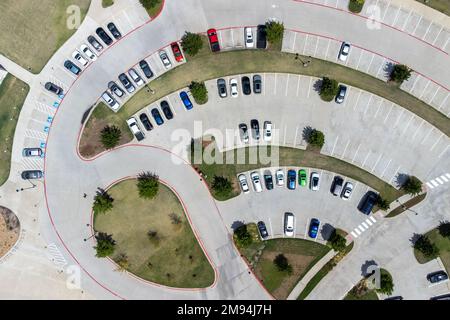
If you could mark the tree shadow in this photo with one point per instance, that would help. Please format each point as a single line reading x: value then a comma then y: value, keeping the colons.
x: 237, y: 224
x: 444, y: 228
x: 306, y: 134
x: 401, y: 179
x: 366, y: 268
x: 414, y: 238
x: 326, y: 231
x: 317, y: 85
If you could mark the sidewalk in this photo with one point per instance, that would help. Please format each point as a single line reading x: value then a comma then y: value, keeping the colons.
x: 16, y: 70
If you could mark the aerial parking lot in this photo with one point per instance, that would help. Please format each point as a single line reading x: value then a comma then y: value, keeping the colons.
x: 184, y: 150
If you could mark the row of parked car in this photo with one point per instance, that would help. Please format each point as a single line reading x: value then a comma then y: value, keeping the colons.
x: 254, y: 125
x: 246, y: 86
x: 261, y: 38
x: 289, y: 227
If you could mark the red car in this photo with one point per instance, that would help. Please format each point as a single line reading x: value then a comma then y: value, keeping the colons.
x: 213, y: 40
x: 177, y: 52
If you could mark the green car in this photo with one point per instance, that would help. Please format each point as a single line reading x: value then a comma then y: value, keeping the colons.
x: 302, y: 177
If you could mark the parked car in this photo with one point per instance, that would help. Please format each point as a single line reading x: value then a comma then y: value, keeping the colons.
x: 222, y: 88
x: 261, y: 37
x: 166, y: 109
x: 246, y: 88
x: 177, y: 52
x: 146, y: 69
x: 32, y: 152
x: 315, y: 181
x: 254, y: 124
x: 53, y: 88
x: 344, y: 51
x: 115, y: 89
x: 94, y: 43
x: 186, y: 101
x: 243, y: 130
x: 291, y: 177
x: 234, y: 88
x: 78, y: 57
x: 438, y: 276
x: 243, y: 182
x: 268, y: 180
x: 267, y: 136
x: 368, y: 203
x: 279, y: 175
x: 394, y: 298
x: 257, y: 83
x: 248, y: 37
x: 157, y: 116
x: 146, y: 121
x: 134, y: 127
x: 256, y: 181
x: 340, y: 97
x: 32, y: 174
x: 104, y: 36
x: 213, y: 40
x: 289, y: 224
x: 165, y: 59
x: 262, y: 230
x: 336, y: 186
x: 87, y: 52
x: 126, y: 83
x: 114, y: 31
x: 302, y: 178
x: 135, y: 76
x: 69, y: 65
x: 347, y: 191
x: 110, y: 101
x: 313, y: 228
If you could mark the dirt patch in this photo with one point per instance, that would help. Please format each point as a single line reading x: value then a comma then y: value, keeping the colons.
x: 9, y: 230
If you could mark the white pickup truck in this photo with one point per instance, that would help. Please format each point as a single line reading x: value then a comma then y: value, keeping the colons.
x: 133, y: 125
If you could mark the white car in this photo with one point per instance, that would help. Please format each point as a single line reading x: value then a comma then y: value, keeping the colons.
x: 289, y: 224
x: 345, y: 50
x: 133, y: 125
x: 234, y: 88
x: 243, y: 182
x: 279, y: 176
x: 249, y: 43
x: 136, y: 78
x: 165, y: 59
x: 256, y: 181
x: 347, y: 191
x: 267, y: 131
x: 77, y: 56
x: 110, y: 101
x: 87, y: 52
x: 314, y: 181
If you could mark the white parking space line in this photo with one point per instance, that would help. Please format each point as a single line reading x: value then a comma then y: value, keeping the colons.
x: 417, y: 25
x: 379, y: 107
x: 368, y: 103
x: 334, y: 146
x: 443, y: 101
x: 409, y: 122
x: 426, y: 137
x: 357, y: 99
x: 357, y: 149
x: 395, y: 174
x: 293, y: 42
x: 406, y: 21
x: 434, y: 41
x: 373, y: 219
x: 304, y: 46
x: 387, y: 115
x: 418, y: 129
x: 264, y: 86
x: 443, y: 151
x: 298, y: 84
x: 270, y: 226
x: 309, y: 88
x: 345, y: 149
x: 385, y: 168
x: 275, y: 87
x: 375, y: 165
x: 287, y: 86
x: 434, y: 145
x: 399, y: 117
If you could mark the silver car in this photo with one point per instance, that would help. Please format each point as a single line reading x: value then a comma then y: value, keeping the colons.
x: 243, y: 182
x: 165, y: 59
x: 32, y: 152
x: 347, y: 191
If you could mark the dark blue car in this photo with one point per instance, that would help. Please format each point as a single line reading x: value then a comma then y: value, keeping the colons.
x: 291, y: 177
x: 157, y: 116
x: 314, y: 228
x: 72, y: 67
x: 186, y: 101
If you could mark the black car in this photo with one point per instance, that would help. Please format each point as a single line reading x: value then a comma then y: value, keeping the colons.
x: 115, y: 89
x: 94, y: 43
x: 341, y: 94
x: 31, y: 174
x: 222, y: 88
x: 336, y: 186
x: 262, y: 230
x: 146, y: 69
x: 261, y: 37
x: 69, y: 65
x: 395, y: 298
x: 104, y: 36
x: 246, y: 88
x: 114, y: 31
x: 437, y: 276
x: 268, y: 181
x: 370, y: 199
x: 146, y: 121
x: 53, y: 88
x: 157, y: 116
x: 254, y: 124
x: 126, y: 82
x: 166, y: 109
x: 257, y: 83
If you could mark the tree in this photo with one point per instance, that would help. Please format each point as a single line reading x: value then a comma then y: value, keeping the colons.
x: 355, y: 6
x: 110, y: 136
x: 444, y: 229
x: 383, y: 204
x: 412, y: 185
x: 386, y: 283
x: 328, y: 89
x: 105, y: 245
x: 424, y: 245
x: 337, y: 242
x: 316, y: 138
x: 282, y: 263
x: 221, y: 185
x: 149, y: 4
x: 274, y: 31
x: 103, y: 202
x: 242, y: 237
x: 199, y: 92
x: 400, y: 73
x: 191, y: 43
x: 148, y: 185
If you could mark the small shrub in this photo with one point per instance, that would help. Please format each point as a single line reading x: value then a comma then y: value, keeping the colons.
x: 149, y: 4
x: 122, y: 262
x: 221, y: 186
x: 103, y: 202
x: 148, y: 185
x: 400, y: 73
x: 282, y: 263
x: 316, y: 138
x: 199, y: 92
x: 174, y: 218
x: 386, y: 283
x: 412, y: 186
x: 337, y: 242
x: 242, y: 237
x: 274, y: 32
x: 383, y: 204
x: 424, y: 245
x: 444, y: 229
x: 328, y: 89
x: 355, y: 6
x: 110, y: 136
x: 191, y: 43
x: 105, y: 245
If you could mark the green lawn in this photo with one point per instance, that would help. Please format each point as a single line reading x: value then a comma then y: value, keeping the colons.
x: 12, y: 96
x: 155, y: 9
x: 176, y: 259
x: 107, y: 3
x: 33, y: 30
x: 443, y: 245
x: 440, y: 5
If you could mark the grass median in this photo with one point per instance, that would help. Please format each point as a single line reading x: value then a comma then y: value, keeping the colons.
x: 440, y: 5
x: 442, y: 243
x: 12, y: 96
